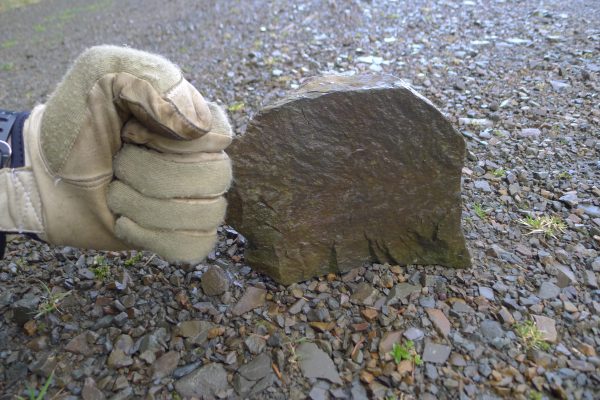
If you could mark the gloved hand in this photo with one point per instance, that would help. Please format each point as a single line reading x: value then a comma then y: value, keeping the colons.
x: 125, y: 154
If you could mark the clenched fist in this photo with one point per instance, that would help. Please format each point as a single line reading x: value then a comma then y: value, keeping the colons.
x: 125, y: 154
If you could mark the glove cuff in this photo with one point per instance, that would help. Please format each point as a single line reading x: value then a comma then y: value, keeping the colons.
x: 17, y: 159
x: 11, y: 128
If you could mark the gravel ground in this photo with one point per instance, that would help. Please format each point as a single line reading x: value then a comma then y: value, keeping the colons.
x: 518, y: 78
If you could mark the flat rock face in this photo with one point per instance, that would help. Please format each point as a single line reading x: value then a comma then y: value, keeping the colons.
x: 205, y: 382
x: 348, y: 170
x: 315, y: 363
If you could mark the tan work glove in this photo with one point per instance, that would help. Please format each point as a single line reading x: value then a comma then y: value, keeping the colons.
x: 125, y: 154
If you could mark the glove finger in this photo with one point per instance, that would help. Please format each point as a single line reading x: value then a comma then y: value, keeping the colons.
x: 148, y: 85
x: 187, y: 246
x: 172, y: 214
x: 181, y: 113
x: 217, y: 139
x: 161, y: 175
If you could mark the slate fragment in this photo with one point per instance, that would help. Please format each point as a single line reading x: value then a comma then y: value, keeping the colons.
x: 348, y: 170
x: 252, y: 298
x: 315, y: 363
x: 436, y: 353
x: 207, y: 382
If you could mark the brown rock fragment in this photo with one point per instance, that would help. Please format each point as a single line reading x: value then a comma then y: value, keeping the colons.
x: 252, y: 298
x: 387, y: 342
x: 30, y: 327
x: 215, y: 281
x: 587, y: 350
x: 506, y: 316
x: 348, y: 170
x: 366, y: 377
x: 369, y: 313
x: 323, y: 326
x: 405, y: 366
x: 90, y: 391
x: 440, y: 321
x: 165, y: 365
x: 547, y: 327
x: 79, y: 345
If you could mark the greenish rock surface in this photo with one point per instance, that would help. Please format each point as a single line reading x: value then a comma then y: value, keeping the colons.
x: 344, y: 171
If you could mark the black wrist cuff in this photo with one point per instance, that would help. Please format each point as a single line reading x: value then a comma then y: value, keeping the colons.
x: 17, y: 159
x: 11, y: 126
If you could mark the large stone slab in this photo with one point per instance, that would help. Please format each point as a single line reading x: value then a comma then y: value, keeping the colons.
x: 344, y: 171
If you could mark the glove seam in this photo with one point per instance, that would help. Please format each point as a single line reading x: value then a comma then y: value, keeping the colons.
x: 80, y: 183
x: 92, y: 183
x: 190, y: 232
x: 19, y: 187
x: 28, y: 198
x: 185, y: 119
x: 166, y: 149
x: 196, y: 164
x: 218, y: 134
x: 12, y: 230
x: 169, y: 199
x: 12, y: 174
x: 167, y: 100
x: 166, y: 128
x: 77, y: 136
